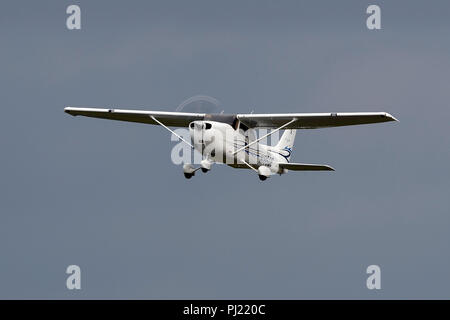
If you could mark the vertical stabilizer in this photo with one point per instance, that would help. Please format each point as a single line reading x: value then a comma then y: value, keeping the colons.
x: 286, y: 143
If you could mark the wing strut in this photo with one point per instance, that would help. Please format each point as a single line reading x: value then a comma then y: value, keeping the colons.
x: 249, y: 165
x: 264, y: 136
x: 173, y: 132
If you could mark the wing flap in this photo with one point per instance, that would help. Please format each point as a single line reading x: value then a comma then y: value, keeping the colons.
x: 173, y: 119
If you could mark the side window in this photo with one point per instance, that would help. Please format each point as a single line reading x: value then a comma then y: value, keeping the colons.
x: 208, y: 126
x: 243, y: 127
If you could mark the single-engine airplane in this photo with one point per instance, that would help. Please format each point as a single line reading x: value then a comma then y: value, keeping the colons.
x: 222, y: 138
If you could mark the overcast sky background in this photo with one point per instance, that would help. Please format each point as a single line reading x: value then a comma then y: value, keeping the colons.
x: 105, y: 195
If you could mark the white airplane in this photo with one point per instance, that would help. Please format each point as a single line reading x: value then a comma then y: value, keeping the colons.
x: 227, y: 139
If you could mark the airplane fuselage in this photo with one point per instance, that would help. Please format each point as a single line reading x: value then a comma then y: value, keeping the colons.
x: 218, y: 142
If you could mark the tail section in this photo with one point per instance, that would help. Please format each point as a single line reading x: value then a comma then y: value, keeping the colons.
x: 286, y: 143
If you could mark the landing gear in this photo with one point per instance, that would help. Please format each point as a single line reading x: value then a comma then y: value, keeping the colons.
x: 189, y: 170
x: 206, y: 165
x: 264, y: 172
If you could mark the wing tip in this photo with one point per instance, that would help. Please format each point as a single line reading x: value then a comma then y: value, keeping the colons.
x: 68, y: 110
x: 391, y: 117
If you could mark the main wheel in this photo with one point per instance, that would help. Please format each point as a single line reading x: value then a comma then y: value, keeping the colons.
x: 188, y: 175
x: 262, y: 178
x: 204, y: 170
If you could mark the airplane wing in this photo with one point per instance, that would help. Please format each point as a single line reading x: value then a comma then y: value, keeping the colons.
x: 172, y: 119
x: 312, y: 120
x: 305, y: 167
x: 276, y: 120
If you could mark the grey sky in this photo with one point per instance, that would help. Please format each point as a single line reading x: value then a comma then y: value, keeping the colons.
x: 104, y: 195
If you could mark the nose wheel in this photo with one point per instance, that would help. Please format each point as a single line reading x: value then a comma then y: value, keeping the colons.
x: 189, y: 169
x: 205, y: 165
x: 188, y: 175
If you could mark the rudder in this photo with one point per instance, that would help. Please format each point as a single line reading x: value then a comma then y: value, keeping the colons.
x: 287, y: 141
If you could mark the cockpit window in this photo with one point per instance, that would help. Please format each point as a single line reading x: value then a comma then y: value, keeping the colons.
x: 208, y: 126
x: 191, y: 125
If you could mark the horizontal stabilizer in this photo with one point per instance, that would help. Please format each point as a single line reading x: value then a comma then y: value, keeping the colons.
x: 305, y: 167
